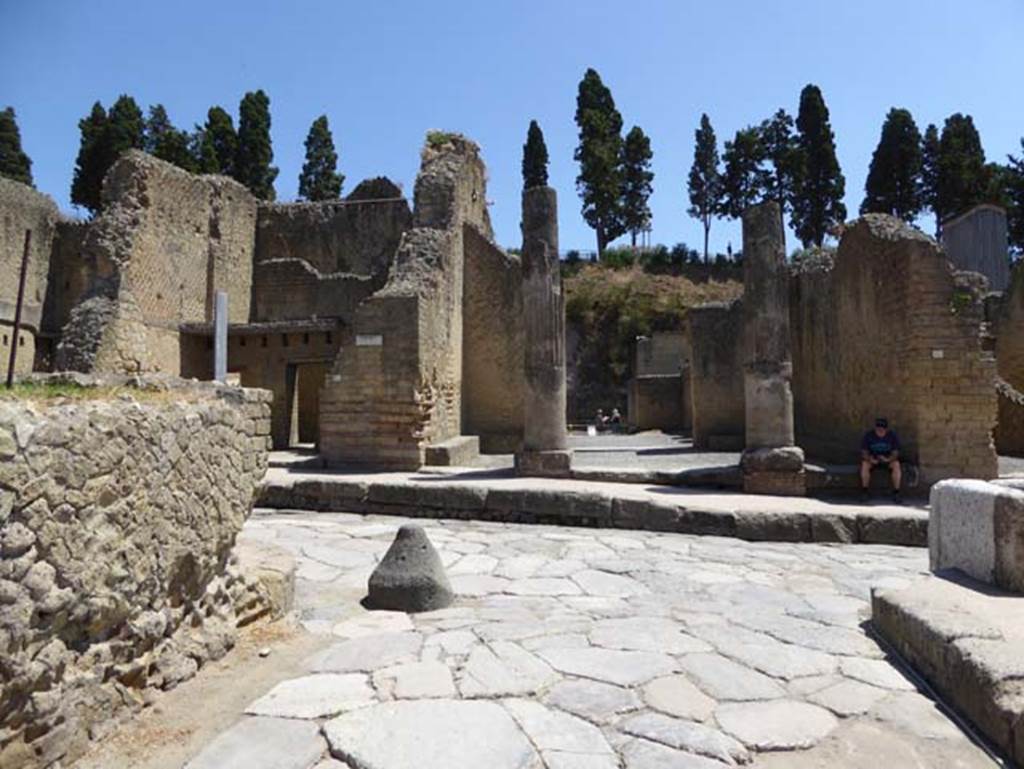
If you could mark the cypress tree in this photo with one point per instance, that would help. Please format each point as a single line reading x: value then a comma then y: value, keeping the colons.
x: 894, y: 184
x: 705, y: 180
x: 637, y: 182
x: 819, y: 185
x: 14, y: 163
x: 320, y: 179
x: 535, y: 158
x: 87, y: 182
x: 961, y: 178
x: 204, y: 151
x: 599, y: 154
x: 778, y: 146
x: 254, y: 156
x: 164, y: 141
x: 1015, y: 193
x: 745, y: 179
x: 219, y: 134
x: 125, y: 129
x: 930, y: 174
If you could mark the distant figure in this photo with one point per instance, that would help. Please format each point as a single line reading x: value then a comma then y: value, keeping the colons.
x: 880, y: 447
x: 601, y: 420
x: 616, y: 420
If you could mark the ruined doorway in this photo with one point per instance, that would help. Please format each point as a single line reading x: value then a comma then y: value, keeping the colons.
x: 304, y: 383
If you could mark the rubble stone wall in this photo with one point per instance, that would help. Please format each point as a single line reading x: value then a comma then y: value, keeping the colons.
x: 23, y: 208
x: 1010, y: 331
x: 492, y: 345
x: 890, y: 329
x: 166, y: 241
x: 117, y: 522
x: 399, y: 385
x: 715, y: 335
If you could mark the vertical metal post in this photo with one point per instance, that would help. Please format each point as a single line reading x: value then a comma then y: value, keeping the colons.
x: 17, y: 310
x: 220, y: 337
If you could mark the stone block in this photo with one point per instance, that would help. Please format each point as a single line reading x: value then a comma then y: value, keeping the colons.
x: 460, y: 451
x: 781, y: 459
x: 544, y: 464
x: 778, y: 483
x: 978, y: 528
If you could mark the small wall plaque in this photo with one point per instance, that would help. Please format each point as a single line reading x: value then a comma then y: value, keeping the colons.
x: 369, y: 340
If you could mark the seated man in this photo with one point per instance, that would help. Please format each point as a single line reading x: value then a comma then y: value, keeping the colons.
x: 880, y: 447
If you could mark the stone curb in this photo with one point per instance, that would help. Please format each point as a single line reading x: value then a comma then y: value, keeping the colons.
x: 437, y: 499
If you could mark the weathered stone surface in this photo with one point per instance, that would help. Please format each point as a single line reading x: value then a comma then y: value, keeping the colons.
x: 678, y: 697
x: 314, y: 696
x: 875, y: 672
x: 561, y: 738
x: 643, y: 754
x: 688, y: 736
x: 650, y: 634
x: 411, y: 576
x: 117, y: 567
x: 592, y: 700
x: 412, y: 734
x: 416, y: 680
x: 978, y: 528
x: 777, y: 725
x: 848, y: 698
x: 263, y: 743
x: 503, y: 669
x: 624, y: 668
x: 724, y: 679
x: 366, y: 653
x: 373, y: 623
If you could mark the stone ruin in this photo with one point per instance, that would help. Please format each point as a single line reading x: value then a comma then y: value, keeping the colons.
x: 119, y: 577
x: 885, y: 327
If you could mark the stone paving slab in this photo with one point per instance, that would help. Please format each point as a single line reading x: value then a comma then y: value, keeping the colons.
x: 564, y: 680
x: 967, y: 639
x: 263, y: 743
x: 485, y: 495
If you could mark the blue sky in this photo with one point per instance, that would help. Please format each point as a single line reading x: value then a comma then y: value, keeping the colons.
x: 386, y: 72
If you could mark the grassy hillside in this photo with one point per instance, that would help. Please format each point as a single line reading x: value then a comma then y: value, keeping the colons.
x: 608, y: 308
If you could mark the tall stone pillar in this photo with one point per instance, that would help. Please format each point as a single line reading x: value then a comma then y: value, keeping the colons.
x: 771, y: 463
x: 545, y: 443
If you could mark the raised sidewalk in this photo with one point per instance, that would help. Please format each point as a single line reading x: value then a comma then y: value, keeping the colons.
x: 498, y: 495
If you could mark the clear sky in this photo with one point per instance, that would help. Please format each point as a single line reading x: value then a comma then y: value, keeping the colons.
x: 386, y: 72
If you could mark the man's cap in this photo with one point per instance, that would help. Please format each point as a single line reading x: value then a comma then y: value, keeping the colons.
x: 881, y: 422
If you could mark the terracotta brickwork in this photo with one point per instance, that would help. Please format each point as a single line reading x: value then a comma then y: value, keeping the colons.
x: 891, y: 330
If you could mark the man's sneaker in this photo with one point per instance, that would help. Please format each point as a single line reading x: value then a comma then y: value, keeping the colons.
x: 865, y: 496
x: 897, y: 497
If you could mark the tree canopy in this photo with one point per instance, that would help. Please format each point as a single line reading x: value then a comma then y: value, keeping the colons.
x: 961, y: 178
x: 320, y: 179
x: 14, y: 163
x: 819, y: 184
x: 600, y: 157
x: 894, y: 181
x: 704, y: 183
x: 535, y: 158
x: 255, y: 154
x: 745, y: 179
x: 637, y: 182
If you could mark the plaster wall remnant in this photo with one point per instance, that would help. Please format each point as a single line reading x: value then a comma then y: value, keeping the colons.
x: 23, y: 208
x: 977, y: 241
x: 771, y: 463
x: 397, y: 385
x: 545, y: 441
x: 716, y: 375
x: 116, y: 564
x: 889, y: 328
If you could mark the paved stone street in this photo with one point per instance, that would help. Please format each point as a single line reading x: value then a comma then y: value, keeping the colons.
x: 571, y: 648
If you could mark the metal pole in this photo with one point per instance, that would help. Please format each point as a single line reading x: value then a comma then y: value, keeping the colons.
x: 17, y: 310
x: 220, y: 337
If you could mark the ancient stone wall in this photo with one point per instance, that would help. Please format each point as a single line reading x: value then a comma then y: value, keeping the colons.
x: 399, y: 385
x: 165, y: 242
x: 117, y: 520
x: 1009, y: 349
x: 21, y: 209
x: 890, y: 330
x: 715, y: 335
x: 492, y: 345
x: 663, y: 352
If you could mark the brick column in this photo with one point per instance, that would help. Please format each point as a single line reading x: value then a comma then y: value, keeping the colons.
x: 545, y: 443
x: 771, y: 463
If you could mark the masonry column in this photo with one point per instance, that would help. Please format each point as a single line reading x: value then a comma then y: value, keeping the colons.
x: 545, y: 443
x: 771, y: 463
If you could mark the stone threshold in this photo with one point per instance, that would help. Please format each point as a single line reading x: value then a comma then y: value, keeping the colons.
x: 490, y: 496
x: 967, y: 639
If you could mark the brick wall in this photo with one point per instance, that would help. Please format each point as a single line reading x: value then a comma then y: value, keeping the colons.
x: 889, y: 329
x: 22, y: 208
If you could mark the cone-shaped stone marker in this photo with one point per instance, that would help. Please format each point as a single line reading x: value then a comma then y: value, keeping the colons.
x: 410, y: 577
